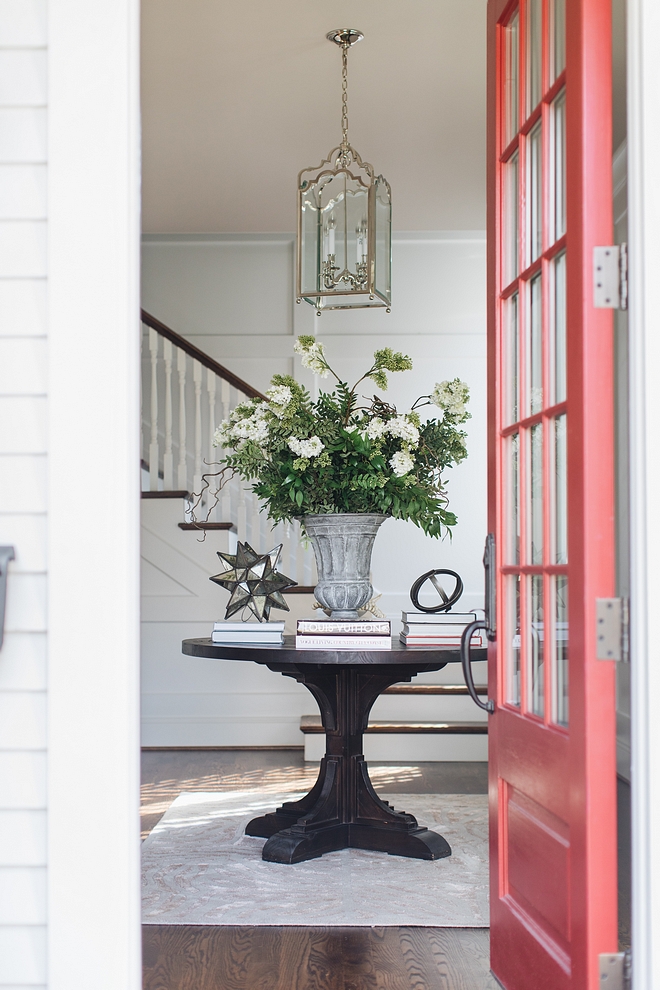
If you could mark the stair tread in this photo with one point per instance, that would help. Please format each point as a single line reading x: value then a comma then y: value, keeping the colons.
x: 173, y: 494
x: 434, y: 689
x: 313, y: 724
x: 197, y: 526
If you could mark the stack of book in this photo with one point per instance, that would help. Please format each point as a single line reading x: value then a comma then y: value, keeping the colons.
x: 437, y: 628
x: 330, y: 634
x: 249, y: 633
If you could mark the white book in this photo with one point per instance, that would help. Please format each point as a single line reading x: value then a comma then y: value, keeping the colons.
x: 437, y: 640
x: 331, y: 627
x: 272, y: 639
x: 263, y: 627
x: 433, y: 629
x: 356, y: 643
x: 440, y: 618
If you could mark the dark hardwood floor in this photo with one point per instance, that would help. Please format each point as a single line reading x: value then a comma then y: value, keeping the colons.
x: 196, y: 957
x: 179, y: 957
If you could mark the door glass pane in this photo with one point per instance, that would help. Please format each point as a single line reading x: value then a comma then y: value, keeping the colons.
x: 511, y: 231
x: 560, y: 328
x: 561, y: 492
x: 513, y: 639
x: 535, y: 347
x: 511, y: 350
x: 536, y: 496
x: 557, y: 38
x: 560, y: 685
x: 536, y: 644
x: 559, y: 164
x: 511, y: 79
x: 533, y: 54
x: 512, y: 553
x: 534, y: 198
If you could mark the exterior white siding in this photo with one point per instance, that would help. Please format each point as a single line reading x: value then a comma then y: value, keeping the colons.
x: 23, y: 404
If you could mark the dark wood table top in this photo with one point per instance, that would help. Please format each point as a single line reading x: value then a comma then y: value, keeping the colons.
x: 287, y: 653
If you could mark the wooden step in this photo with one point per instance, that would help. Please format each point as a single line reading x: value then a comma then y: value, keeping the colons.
x: 176, y: 494
x: 206, y: 526
x: 313, y: 724
x: 446, y: 690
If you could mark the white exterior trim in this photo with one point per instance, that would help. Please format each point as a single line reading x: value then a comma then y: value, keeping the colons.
x: 93, y: 799
x: 644, y: 247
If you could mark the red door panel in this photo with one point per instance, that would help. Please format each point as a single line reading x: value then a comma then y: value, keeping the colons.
x: 551, y: 494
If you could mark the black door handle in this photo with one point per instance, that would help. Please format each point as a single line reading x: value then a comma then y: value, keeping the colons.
x: 466, y: 661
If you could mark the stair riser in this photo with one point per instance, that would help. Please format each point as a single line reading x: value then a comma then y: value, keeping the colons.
x: 433, y: 708
x: 404, y: 748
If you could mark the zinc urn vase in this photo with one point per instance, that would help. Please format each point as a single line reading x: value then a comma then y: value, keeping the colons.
x: 343, y: 542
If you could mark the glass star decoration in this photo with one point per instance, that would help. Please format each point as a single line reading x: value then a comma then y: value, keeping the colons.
x: 253, y: 581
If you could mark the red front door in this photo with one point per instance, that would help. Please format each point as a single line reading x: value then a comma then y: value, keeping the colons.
x: 551, y: 494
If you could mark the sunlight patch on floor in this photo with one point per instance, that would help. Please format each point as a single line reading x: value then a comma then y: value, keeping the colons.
x: 157, y: 797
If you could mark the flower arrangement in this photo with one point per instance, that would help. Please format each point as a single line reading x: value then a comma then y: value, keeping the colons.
x: 335, y: 455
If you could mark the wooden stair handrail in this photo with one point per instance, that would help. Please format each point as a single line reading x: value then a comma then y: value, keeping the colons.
x: 204, y: 359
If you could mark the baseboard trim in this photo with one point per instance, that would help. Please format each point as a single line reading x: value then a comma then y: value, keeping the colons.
x: 229, y: 749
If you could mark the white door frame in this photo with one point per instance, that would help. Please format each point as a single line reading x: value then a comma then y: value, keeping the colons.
x: 94, y: 395
x: 94, y: 490
x: 644, y: 328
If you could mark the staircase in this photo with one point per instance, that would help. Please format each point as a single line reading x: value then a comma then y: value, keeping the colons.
x: 193, y: 703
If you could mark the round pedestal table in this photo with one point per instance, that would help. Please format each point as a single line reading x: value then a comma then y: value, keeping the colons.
x: 342, y: 809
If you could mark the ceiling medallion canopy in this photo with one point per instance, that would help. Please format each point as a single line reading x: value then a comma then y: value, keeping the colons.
x: 344, y: 221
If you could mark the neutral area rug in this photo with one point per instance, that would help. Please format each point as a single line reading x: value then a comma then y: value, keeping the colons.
x: 199, y: 868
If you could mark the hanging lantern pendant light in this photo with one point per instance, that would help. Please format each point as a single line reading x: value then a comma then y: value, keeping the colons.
x: 344, y: 221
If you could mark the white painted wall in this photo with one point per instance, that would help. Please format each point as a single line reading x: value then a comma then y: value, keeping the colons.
x: 93, y: 486
x: 232, y: 296
x: 23, y: 501
x: 69, y: 826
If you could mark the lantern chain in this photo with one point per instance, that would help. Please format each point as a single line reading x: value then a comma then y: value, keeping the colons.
x: 344, y: 103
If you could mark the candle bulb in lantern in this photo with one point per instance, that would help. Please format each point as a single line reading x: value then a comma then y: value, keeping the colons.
x: 332, y: 223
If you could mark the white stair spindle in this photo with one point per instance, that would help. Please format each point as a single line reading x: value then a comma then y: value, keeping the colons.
x: 285, y: 560
x: 168, y: 459
x: 197, y: 379
x: 154, y: 456
x: 300, y: 556
x: 225, y: 397
x: 213, y: 453
x: 226, y: 497
x: 241, y: 515
x: 182, y: 473
x: 255, y: 528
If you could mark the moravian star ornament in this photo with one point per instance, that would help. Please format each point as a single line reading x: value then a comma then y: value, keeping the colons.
x: 253, y: 581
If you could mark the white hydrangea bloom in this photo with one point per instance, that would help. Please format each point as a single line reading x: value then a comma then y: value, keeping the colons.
x: 222, y: 436
x: 451, y: 396
x: 255, y: 428
x: 402, y: 463
x: 313, y: 358
x: 401, y: 427
x: 376, y: 429
x: 306, y: 448
x: 280, y: 395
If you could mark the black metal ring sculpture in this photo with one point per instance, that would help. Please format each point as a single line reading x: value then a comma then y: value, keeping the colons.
x: 447, y: 600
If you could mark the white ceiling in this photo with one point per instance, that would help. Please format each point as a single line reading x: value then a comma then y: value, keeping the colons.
x: 239, y: 95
